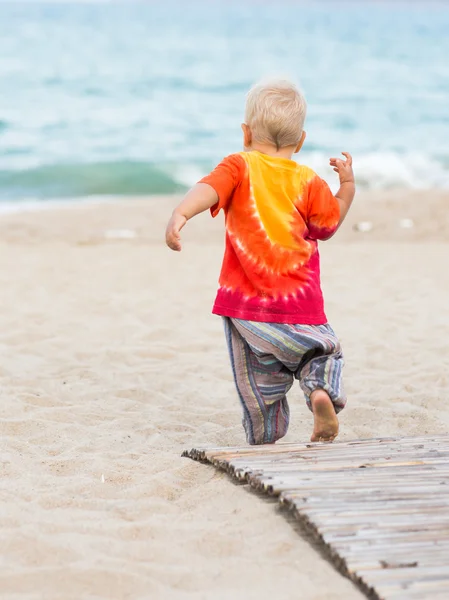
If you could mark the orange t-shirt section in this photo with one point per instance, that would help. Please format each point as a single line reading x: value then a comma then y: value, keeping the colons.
x: 275, y: 212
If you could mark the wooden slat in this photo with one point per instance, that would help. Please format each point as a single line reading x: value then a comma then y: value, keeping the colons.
x: 378, y: 507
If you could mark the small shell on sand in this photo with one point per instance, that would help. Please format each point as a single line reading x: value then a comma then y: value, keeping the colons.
x: 406, y: 224
x: 363, y: 226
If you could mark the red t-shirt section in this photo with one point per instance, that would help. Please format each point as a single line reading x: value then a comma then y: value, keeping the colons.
x: 275, y: 211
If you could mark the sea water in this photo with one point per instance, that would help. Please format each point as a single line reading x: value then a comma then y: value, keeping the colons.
x: 122, y: 98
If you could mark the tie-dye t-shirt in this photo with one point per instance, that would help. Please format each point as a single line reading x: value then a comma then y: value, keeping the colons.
x: 275, y: 212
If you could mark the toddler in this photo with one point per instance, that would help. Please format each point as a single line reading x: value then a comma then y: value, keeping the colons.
x: 269, y: 292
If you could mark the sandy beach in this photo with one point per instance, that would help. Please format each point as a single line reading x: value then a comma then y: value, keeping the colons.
x: 112, y: 365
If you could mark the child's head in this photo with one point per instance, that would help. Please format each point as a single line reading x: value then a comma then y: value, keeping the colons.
x: 274, y: 115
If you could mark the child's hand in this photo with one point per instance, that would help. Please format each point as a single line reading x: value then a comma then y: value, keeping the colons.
x: 172, y: 235
x: 343, y: 168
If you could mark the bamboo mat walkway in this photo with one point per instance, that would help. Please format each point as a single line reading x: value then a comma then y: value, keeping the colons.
x: 379, y: 508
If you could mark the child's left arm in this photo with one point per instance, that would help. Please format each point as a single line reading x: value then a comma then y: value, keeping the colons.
x: 200, y: 198
x: 345, y: 194
x: 326, y: 212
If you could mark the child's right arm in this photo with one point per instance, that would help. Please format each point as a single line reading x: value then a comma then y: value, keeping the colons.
x: 346, y: 193
x: 214, y: 191
x: 200, y: 198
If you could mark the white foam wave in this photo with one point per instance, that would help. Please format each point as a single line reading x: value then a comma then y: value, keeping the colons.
x: 386, y: 170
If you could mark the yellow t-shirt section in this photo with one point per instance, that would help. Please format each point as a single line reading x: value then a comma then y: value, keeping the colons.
x: 276, y: 188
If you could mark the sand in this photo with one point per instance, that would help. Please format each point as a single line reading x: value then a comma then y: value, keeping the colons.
x: 111, y: 365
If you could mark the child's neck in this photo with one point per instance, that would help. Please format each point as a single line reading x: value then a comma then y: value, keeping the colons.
x: 273, y: 151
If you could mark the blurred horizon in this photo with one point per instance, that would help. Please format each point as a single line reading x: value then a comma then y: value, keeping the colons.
x: 133, y: 97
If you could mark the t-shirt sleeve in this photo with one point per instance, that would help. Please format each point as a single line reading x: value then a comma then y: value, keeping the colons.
x: 323, y: 209
x: 224, y: 179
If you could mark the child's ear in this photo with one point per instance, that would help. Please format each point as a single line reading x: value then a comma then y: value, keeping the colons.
x: 301, y: 142
x: 247, y: 136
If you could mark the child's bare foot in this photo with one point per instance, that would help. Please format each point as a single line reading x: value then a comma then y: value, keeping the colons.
x: 325, y: 427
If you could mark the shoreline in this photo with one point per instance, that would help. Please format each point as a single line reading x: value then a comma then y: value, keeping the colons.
x: 395, y: 215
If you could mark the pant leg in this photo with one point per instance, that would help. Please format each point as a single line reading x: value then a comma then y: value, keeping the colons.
x: 262, y: 383
x: 322, y: 367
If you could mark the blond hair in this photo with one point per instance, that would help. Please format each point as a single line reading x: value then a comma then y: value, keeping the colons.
x: 275, y: 113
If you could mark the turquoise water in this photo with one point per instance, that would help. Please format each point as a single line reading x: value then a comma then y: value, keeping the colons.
x: 138, y: 98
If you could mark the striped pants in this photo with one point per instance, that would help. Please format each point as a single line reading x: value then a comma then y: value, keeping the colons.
x: 267, y: 357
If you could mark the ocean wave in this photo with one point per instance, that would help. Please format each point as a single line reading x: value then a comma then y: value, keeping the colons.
x: 137, y: 178
x: 119, y: 178
x: 386, y: 170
